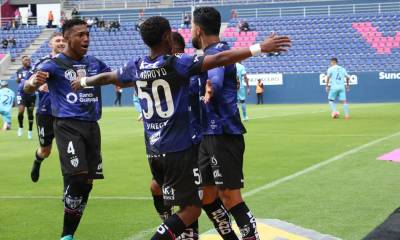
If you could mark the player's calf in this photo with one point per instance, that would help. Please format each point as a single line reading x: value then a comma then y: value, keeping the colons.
x: 219, y: 216
x: 75, y: 200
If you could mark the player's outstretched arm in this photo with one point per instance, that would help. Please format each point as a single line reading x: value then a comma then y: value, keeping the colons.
x: 272, y: 43
x: 98, y: 80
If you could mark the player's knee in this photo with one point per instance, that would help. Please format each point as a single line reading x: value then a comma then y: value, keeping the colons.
x: 155, y: 188
x: 76, y: 194
x: 210, y: 193
x: 189, y: 214
x: 230, y: 197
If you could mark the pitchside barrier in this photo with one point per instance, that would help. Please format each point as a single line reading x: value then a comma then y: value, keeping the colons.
x: 366, y: 87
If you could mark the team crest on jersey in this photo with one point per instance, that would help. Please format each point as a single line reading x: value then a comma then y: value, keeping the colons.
x: 75, y: 162
x: 70, y: 74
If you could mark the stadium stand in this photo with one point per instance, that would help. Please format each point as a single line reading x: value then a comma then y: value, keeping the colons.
x: 24, y: 35
x: 364, y: 42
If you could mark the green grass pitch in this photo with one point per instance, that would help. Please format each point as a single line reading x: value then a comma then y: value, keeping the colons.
x: 345, y: 198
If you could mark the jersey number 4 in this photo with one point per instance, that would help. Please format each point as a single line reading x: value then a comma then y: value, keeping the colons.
x: 154, y: 101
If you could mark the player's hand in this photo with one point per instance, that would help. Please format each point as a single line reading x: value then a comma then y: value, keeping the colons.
x: 209, y: 92
x: 76, y: 84
x: 39, y: 78
x: 44, y: 88
x: 347, y: 87
x: 275, y: 43
x: 327, y: 88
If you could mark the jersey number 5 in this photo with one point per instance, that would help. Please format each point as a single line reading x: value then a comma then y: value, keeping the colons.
x: 154, y: 101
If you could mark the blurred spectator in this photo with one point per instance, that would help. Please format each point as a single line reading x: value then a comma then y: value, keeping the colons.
x: 74, y: 13
x: 114, y: 26
x: 118, y: 94
x: 96, y: 22
x: 141, y: 14
x: 17, y: 16
x: 137, y: 26
x: 11, y: 40
x: 14, y: 24
x: 260, y: 92
x: 186, y: 20
x: 243, y: 26
x: 50, y: 19
x: 102, y: 24
x: 233, y: 14
x: 30, y: 15
x: 4, y: 43
x: 90, y: 22
x: 7, y: 26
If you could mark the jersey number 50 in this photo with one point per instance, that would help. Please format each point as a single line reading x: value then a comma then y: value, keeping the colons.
x: 154, y: 102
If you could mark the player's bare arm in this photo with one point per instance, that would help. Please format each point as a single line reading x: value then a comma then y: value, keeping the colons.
x: 246, y: 80
x: 272, y: 43
x: 327, y: 84
x: 35, y: 81
x: 347, y: 83
x: 99, y: 80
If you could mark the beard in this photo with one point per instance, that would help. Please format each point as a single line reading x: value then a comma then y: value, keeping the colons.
x: 196, y: 42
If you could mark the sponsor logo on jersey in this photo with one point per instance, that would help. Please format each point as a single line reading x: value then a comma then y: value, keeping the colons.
x: 389, y: 76
x: 323, y: 77
x: 154, y: 138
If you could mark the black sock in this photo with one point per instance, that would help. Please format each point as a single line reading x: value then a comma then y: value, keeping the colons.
x: 245, y: 221
x: 76, y: 198
x: 191, y: 232
x: 170, y: 229
x: 30, y: 118
x: 37, y: 158
x: 217, y: 213
x: 21, y: 120
x: 163, y: 211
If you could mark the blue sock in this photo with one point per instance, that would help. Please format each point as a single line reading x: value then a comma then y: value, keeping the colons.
x: 244, y: 110
x: 346, y: 109
x: 333, y: 106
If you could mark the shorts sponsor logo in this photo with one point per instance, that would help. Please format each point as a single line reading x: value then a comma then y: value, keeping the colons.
x: 154, y: 138
x: 75, y: 162
x: 168, y: 193
x: 201, y: 194
x: 217, y: 174
x: 41, y: 140
x: 389, y: 76
x: 212, y: 124
x: 99, y: 167
x: 214, y: 161
x: 70, y: 74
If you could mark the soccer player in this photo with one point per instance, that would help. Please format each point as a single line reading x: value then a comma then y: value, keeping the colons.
x: 24, y: 100
x: 222, y: 147
x: 44, y: 118
x: 7, y: 97
x: 162, y: 82
x: 337, y: 88
x: 76, y: 130
x: 244, y: 88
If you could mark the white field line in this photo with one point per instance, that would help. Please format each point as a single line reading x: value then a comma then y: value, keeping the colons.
x: 318, y: 165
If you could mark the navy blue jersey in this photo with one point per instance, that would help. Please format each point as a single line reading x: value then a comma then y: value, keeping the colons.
x: 195, y: 109
x: 44, y: 97
x: 163, y: 89
x: 22, y: 75
x: 221, y: 114
x: 83, y: 105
